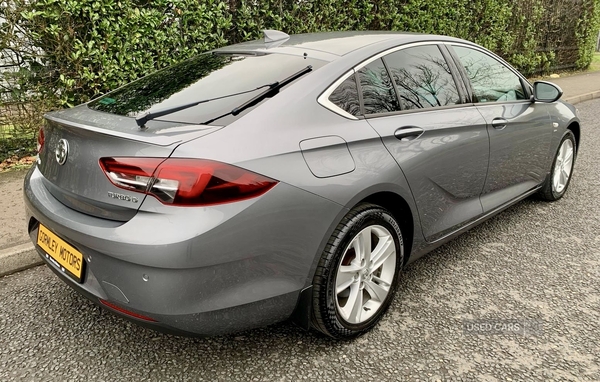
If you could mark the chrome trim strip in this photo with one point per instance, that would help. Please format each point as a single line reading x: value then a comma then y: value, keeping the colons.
x: 324, y: 97
x: 392, y: 50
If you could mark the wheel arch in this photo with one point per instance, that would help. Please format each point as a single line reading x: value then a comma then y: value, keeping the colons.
x: 401, y: 211
x: 575, y: 128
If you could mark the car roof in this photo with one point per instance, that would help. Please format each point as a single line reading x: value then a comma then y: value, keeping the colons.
x: 329, y: 46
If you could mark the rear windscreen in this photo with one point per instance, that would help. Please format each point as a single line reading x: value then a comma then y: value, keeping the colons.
x: 203, y: 77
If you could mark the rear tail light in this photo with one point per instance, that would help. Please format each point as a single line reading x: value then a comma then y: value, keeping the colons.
x: 133, y: 174
x: 41, y: 139
x: 186, y: 182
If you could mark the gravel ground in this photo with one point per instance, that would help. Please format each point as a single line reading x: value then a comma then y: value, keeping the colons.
x: 535, y: 266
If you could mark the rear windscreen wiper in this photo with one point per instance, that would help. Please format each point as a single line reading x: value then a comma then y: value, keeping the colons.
x: 141, y: 120
x: 270, y: 92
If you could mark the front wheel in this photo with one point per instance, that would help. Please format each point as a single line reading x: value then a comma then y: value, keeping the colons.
x: 357, y: 275
x: 558, y: 180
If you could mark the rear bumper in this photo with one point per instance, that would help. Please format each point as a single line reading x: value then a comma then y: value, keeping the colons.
x: 204, y: 271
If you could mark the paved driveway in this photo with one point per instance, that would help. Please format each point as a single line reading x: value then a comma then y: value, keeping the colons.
x: 532, y: 273
x: 12, y: 214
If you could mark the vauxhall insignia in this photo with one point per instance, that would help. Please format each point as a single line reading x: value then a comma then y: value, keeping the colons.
x: 62, y: 151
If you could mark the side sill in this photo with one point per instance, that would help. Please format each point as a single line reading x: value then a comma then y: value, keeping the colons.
x: 444, y: 239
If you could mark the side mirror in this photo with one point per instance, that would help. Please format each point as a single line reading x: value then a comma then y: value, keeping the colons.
x: 546, y: 91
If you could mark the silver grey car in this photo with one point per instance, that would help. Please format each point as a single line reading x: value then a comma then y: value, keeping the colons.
x: 289, y: 178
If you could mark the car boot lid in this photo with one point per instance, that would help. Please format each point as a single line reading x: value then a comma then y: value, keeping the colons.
x: 161, y: 133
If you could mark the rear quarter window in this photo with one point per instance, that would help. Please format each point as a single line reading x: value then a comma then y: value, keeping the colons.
x: 345, y: 96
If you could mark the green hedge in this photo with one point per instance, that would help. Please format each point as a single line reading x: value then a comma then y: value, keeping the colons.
x: 92, y: 46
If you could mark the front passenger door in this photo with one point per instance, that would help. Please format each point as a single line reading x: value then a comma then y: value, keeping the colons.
x: 520, y: 131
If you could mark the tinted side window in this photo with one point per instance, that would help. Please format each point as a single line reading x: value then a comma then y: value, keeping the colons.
x: 377, y: 89
x: 422, y: 77
x: 345, y: 96
x: 492, y: 81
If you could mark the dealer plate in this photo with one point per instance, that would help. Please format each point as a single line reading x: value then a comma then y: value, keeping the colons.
x: 60, y: 253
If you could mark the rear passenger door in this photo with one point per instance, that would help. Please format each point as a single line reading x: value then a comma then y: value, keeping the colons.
x: 414, y: 99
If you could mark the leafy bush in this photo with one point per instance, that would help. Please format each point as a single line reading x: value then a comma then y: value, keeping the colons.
x: 78, y: 49
x: 68, y: 51
x: 91, y: 46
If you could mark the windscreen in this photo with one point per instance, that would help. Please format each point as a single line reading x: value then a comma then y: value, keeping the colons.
x: 203, y: 77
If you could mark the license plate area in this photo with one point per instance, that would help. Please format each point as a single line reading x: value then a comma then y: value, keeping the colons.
x: 60, y: 253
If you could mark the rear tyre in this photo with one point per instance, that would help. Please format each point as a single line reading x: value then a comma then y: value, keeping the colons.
x: 558, y: 180
x: 357, y: 276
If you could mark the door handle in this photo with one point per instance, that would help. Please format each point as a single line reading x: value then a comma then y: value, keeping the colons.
x: 408, y: 133
x: 499, y: 123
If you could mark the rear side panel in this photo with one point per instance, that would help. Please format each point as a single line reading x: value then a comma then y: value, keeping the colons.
x: 270, y: 144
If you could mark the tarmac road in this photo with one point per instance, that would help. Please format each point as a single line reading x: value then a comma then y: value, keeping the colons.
x: 532, y: 271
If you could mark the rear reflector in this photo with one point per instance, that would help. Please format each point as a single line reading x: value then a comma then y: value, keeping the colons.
x: 41, y: 139
x: 185, y: 182
x: 126, y: 312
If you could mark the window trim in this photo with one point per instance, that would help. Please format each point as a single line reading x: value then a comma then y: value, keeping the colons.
x: 460, y: 77
x: 323, y: 99
x: 392, y: 50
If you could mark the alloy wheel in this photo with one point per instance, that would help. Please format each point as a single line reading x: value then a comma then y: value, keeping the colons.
x: 563, y: 166
x: 365, y: 274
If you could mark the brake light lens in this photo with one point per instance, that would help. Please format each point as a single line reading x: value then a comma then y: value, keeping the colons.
x: 41, y: 139
x: 134, y: 174
x: 186, y: 182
